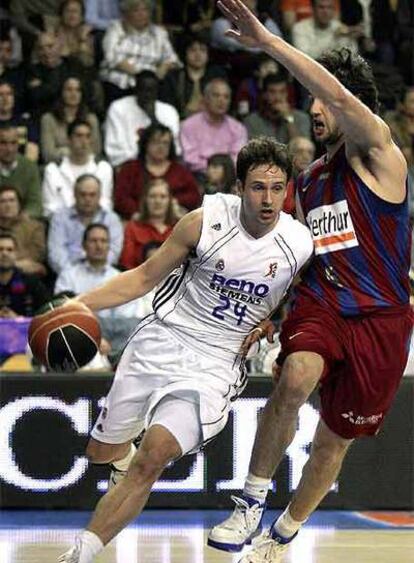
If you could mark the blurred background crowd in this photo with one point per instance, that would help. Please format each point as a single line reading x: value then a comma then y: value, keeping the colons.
x: 116, y: 117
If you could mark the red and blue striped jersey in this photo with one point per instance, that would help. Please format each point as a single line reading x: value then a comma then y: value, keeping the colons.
x: 362, y: 243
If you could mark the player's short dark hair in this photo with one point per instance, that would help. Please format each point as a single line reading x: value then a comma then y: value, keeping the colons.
x: 90, y: 228
x: 354, y: 73
x: 259, y: 151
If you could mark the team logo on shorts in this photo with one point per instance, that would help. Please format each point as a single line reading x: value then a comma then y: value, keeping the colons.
x: 219, y: 265
x: 272, y: 270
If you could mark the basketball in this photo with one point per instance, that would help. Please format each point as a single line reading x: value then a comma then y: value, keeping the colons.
x: 65, y: 338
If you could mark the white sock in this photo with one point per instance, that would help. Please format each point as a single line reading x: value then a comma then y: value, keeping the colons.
x: 91, y: 546
x: 286, y: 526
x: 256, y: 487
x: 123, y: 464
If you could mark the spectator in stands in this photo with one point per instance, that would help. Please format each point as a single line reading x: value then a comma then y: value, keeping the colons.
x: 128, y: 117
x: 153, y: 224
x: 59, y: 179
x: 275, y: 116
x: 302, y: 152
x: 34, y: 16
x: 74, y: 36
x: 212, y: 130
x: 20, y: 293
x: 69, y: 107
x: 324, y: 31
x: 45, y: 78
x: 220, y: 175
x: 9, y: 72
x: 157, y: 159
x: 183, y: 87
x: 94, y: 270
x: 133, y: 44
x: 18, y: 171
x: 29, y: 233
x: 219, y: 39
x: 293, y: 11
x: 27, y: 128
x: 186, y: 16
x: 100, y: 13
x: 68, y: 225
x: 401, y: 122
x: 247, y: 95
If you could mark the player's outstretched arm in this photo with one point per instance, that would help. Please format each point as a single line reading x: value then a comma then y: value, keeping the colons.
x: 139, y: 281
x: 359, y: 124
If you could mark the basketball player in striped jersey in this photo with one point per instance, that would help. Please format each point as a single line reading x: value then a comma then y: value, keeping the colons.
x: 350, y: 325
x: 225, y: 267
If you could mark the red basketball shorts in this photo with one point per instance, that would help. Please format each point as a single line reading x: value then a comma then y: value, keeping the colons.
x: 364, y: 356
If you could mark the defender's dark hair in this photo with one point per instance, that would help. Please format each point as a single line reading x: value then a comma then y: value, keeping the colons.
x: 90, y: 228
x: 259, y: 151
x: 354, y: 73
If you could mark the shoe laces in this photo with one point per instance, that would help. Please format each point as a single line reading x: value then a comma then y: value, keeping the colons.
x: 244, y: 515
x: 266, y: 551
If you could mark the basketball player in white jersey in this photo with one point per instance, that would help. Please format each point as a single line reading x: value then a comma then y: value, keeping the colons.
x: 225, y: 268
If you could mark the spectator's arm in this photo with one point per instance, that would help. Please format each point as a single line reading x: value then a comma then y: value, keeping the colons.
x: 96, y: 134
x: 50, y: 151
x: 49, y: 193
x: 58, y: 254
x: 117, y: 146
x: 116, y: 231
x: 112, y: 46
x: 107, y: 184
x: 131, y: 255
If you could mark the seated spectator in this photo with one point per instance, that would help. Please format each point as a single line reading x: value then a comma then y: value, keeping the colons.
x: 247, y: 95
x: 29, y: 233
x: 293, y: 11
x: 302, y: 152
x: 100, y: 13
x: 324, y: 31
x: 183, y: 87
x: 275, y: 116
x: 45, y: 78
x: 94, y: 270
x: 26, y: 127
x: 129, y: 116
x: 9, y: 72
x: 133, y: 44
x: 220, y: 175
x: 153, y: 224
x: 59, y: 179
x: 8, y: 31
x: 20, y: 294
x: 68, y: 225
x: 401, y: 122
x: 18, y: 171
x: 219, y: 39
x: 156, y: 159
x: 74, y: 36
x: 212, y: 130
x: 69, y: 107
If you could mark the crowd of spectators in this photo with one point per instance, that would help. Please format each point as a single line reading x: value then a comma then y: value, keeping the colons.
x: 117, y: 116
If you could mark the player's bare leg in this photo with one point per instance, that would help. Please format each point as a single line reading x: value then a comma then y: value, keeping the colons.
x: 125, y: 501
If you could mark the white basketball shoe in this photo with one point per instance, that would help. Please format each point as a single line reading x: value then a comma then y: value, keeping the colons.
x: 240, y: 528
x: 270, y: 548
x: 73, y: 554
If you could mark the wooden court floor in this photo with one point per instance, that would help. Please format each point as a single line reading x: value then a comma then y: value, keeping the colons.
x: 151, y: 542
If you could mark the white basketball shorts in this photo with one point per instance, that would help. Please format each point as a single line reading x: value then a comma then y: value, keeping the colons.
x: 161, y: 381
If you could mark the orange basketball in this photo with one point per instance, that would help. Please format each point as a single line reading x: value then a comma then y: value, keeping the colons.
x: 65, y: 338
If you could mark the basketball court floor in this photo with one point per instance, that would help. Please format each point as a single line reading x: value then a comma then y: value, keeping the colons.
x: 174, y: 536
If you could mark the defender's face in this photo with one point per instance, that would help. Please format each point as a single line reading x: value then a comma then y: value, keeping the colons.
x: 263, y: 194
x: 325, y: 127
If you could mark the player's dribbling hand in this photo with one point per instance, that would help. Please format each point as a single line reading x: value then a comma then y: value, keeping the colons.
x: 265, y: 329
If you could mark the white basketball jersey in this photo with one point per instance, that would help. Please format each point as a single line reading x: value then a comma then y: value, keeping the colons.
x: 233, y: 280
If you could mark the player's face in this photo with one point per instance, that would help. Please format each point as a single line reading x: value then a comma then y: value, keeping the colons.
x: 325, y: 128
x: 263, y: 195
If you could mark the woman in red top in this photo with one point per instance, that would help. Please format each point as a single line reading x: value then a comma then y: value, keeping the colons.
x: 156, y: 159
x: 154, y: 223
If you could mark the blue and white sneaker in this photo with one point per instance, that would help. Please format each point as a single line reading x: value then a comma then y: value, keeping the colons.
x: 240, y: 528
x: 268, y: 549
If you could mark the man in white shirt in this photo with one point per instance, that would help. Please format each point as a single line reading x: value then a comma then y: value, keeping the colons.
x: 130, y: 115
x: 59, y: 179
x: 323, y: 31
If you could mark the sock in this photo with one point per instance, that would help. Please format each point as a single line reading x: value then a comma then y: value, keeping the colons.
x: 123, y: 464
x: 91, y: 546
x: 256, y: 487
x: 286, y: 526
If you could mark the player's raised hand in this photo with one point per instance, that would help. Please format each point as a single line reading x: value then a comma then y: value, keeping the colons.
x: 248, y: 30
x: 265, y: 329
